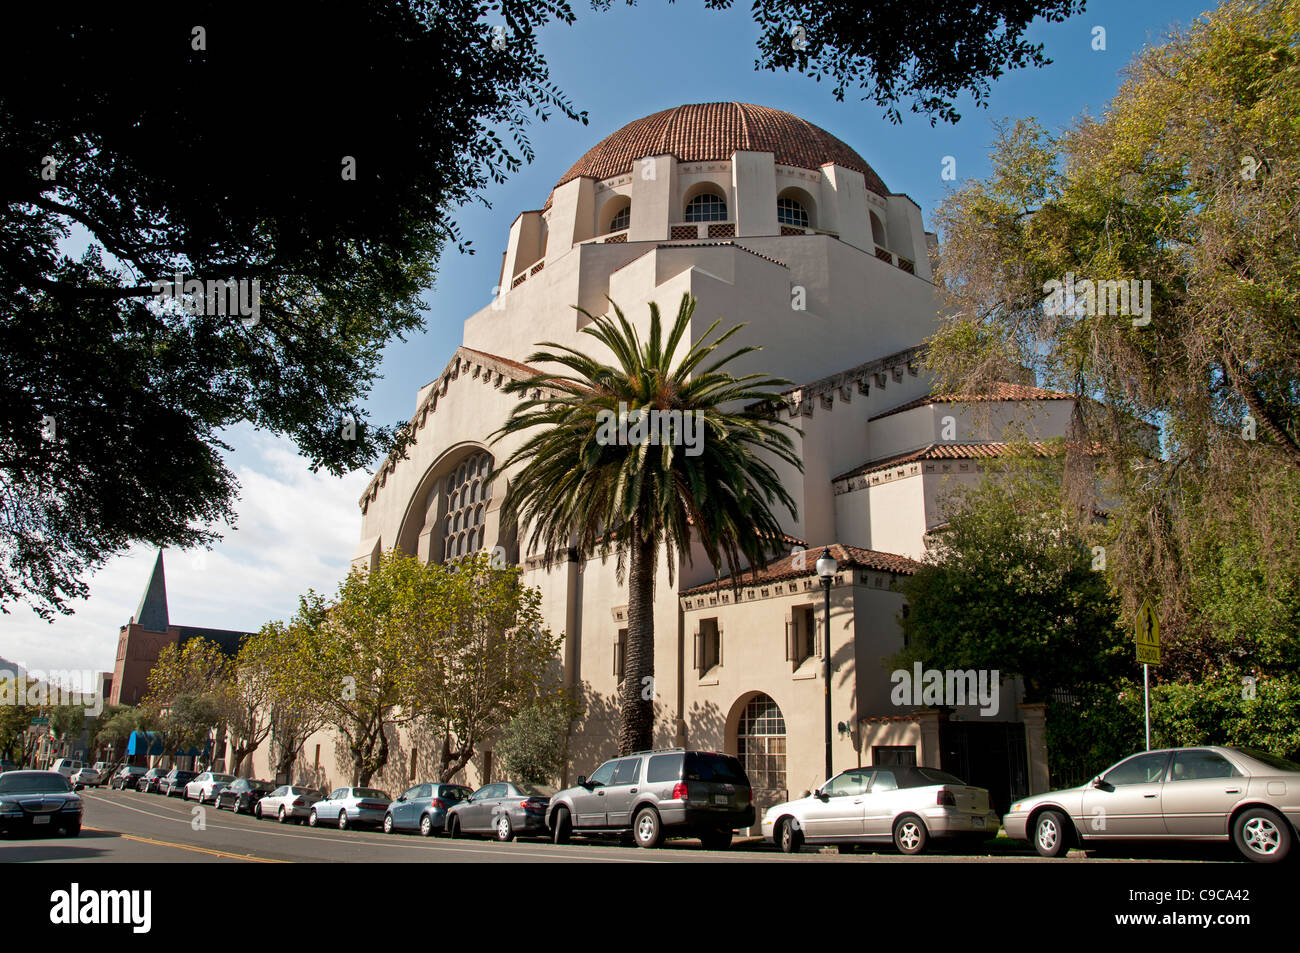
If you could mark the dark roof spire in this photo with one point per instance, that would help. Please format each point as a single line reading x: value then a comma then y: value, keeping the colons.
x: 152, y: 611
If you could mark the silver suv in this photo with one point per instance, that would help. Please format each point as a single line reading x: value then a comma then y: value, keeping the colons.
x: 657, y: 794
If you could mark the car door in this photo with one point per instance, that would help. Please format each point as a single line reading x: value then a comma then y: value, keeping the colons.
x: 1202, y: 790
x: 589, y: 802
x: 1127, y: 801
x: 328, y: 810
x: 621, y: 792
x: 841, y: 810
x: 486, y: 817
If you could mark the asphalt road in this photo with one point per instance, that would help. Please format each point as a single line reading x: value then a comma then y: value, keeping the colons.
x: 125, y: 827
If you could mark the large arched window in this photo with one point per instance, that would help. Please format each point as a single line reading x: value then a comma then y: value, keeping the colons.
x: 760, y: 743
x: 622, y: 218
x: 791, y: 212
x: 707, y: 207
x: 465, y: 491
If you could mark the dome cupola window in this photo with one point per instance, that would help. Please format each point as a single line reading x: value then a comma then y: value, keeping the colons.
x: 791, y: 212
x: 706, y: 207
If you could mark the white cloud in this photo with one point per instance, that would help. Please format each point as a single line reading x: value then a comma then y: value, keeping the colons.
x: 295, y: 530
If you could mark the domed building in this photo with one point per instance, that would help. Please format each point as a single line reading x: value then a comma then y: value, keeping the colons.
x: 769, y: 220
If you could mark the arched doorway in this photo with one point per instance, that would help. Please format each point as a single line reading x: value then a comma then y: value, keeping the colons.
x: 761, y: 743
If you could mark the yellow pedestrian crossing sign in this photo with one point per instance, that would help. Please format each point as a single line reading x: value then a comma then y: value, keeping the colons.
x: 1146, y: 633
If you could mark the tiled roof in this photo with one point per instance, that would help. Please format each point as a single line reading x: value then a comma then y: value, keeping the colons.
x: 952, y: 451
x: 849, y: 557
x: 996, y: 392
x: 713, y: 131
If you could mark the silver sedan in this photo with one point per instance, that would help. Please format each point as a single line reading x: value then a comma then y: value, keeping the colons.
x: 351, y: 807
x: 907, y: 805
x: 288, y: 802
x: 1188, y: 794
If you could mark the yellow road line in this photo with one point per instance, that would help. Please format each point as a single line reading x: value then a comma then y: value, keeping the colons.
x: 197, y: 850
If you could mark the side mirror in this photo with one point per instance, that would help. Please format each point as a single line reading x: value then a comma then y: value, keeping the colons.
x: 821, y: 795
x: 1100, y: 783
x: 582, y: 781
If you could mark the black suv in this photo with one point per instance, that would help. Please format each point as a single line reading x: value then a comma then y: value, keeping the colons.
x: 658, y: 794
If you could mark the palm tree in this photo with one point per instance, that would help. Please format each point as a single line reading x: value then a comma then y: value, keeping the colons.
x: 578, y: 487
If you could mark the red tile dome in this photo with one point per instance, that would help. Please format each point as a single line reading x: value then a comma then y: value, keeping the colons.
x: 713, y: 131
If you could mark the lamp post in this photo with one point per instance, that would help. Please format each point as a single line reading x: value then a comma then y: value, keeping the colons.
x: 826, y: 567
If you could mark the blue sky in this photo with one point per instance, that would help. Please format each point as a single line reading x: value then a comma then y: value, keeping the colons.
x: 297, y: 529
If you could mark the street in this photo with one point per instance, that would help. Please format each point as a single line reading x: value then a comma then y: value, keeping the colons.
x: 128, y: 827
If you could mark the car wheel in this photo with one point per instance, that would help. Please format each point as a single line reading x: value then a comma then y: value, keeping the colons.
x: 312, y: 819
x: 426, y: 826
x: 716, y: 840
x: 453, y: 827
x: 257, y: 811
x: 647, y: 829
x: 561, y: 828
x: 1261, y: 835
x: 910, y: 835
x: 1051, y: 834
x: 388, y: 823
x: 789, y: 836
x: 505, y: 833
x: 343, y: 820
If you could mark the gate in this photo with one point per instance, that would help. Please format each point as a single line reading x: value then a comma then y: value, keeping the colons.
x: 990, y: 756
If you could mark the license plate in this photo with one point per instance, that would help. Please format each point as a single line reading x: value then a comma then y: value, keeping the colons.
x: 977, y: 822
x: 720, y: 799
x: 41, y: 820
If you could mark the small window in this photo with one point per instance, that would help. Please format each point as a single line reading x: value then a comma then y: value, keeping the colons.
x: 622, y: 218
x: 620, y: 653
x: 707, y: 207
x: 791, y: 212
x: 664, y: 767
x: 884, y: 781
x: 708, y: 645
x: 801, y: 640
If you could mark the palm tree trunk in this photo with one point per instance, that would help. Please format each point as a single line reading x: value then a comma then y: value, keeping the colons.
x: 636, y: 707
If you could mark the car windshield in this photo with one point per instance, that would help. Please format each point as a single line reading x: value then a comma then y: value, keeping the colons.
x: 1272, y: 760
x: 370, y: 792
x: 223, y: 777
x: 46, y: 782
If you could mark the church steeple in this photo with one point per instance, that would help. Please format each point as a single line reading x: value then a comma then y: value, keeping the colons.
x: 152, y: 611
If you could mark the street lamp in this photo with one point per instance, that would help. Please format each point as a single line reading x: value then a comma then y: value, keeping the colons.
x: 826, y: 567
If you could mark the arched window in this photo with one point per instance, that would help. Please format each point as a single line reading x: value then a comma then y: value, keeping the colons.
x: 707, y: 207
x: 622, y: 218
x: 761, y: 743
x: 791, y: 212
x: 465, y: 492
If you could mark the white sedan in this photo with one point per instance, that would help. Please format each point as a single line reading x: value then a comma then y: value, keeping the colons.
x: 86, y: 778
x: 904, y: 805
x: 207, y: 786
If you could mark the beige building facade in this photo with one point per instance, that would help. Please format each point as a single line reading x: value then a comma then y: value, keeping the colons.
x: 768, y: 220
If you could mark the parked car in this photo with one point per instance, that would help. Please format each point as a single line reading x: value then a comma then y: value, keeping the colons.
x: 86, y: 778
x: 505, y: 809
x: 174, y: 784
x: 104, y: 768
x: 655, y: 795
x: 908, y: 806
x: 206, y: 786
x: 7, y: 765
x: 289, y: 802
x: 151, y: 780
x: 128, y: 776
x: 66, y: 767
x: 350, y: 807
x: 243, y: 794
x: 32, y: 801
x: 1197, y: 794
x: 424, y: 808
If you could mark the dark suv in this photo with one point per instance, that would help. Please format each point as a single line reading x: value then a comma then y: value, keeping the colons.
x: 658, y: 794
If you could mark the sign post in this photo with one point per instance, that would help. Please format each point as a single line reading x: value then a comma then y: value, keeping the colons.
x: 1146, y: 635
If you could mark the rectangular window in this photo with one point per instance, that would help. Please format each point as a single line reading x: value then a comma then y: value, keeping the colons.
x: 708, y: 645
x: 801, y: 635
x: 885, y: 755
x: 620, y: 653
